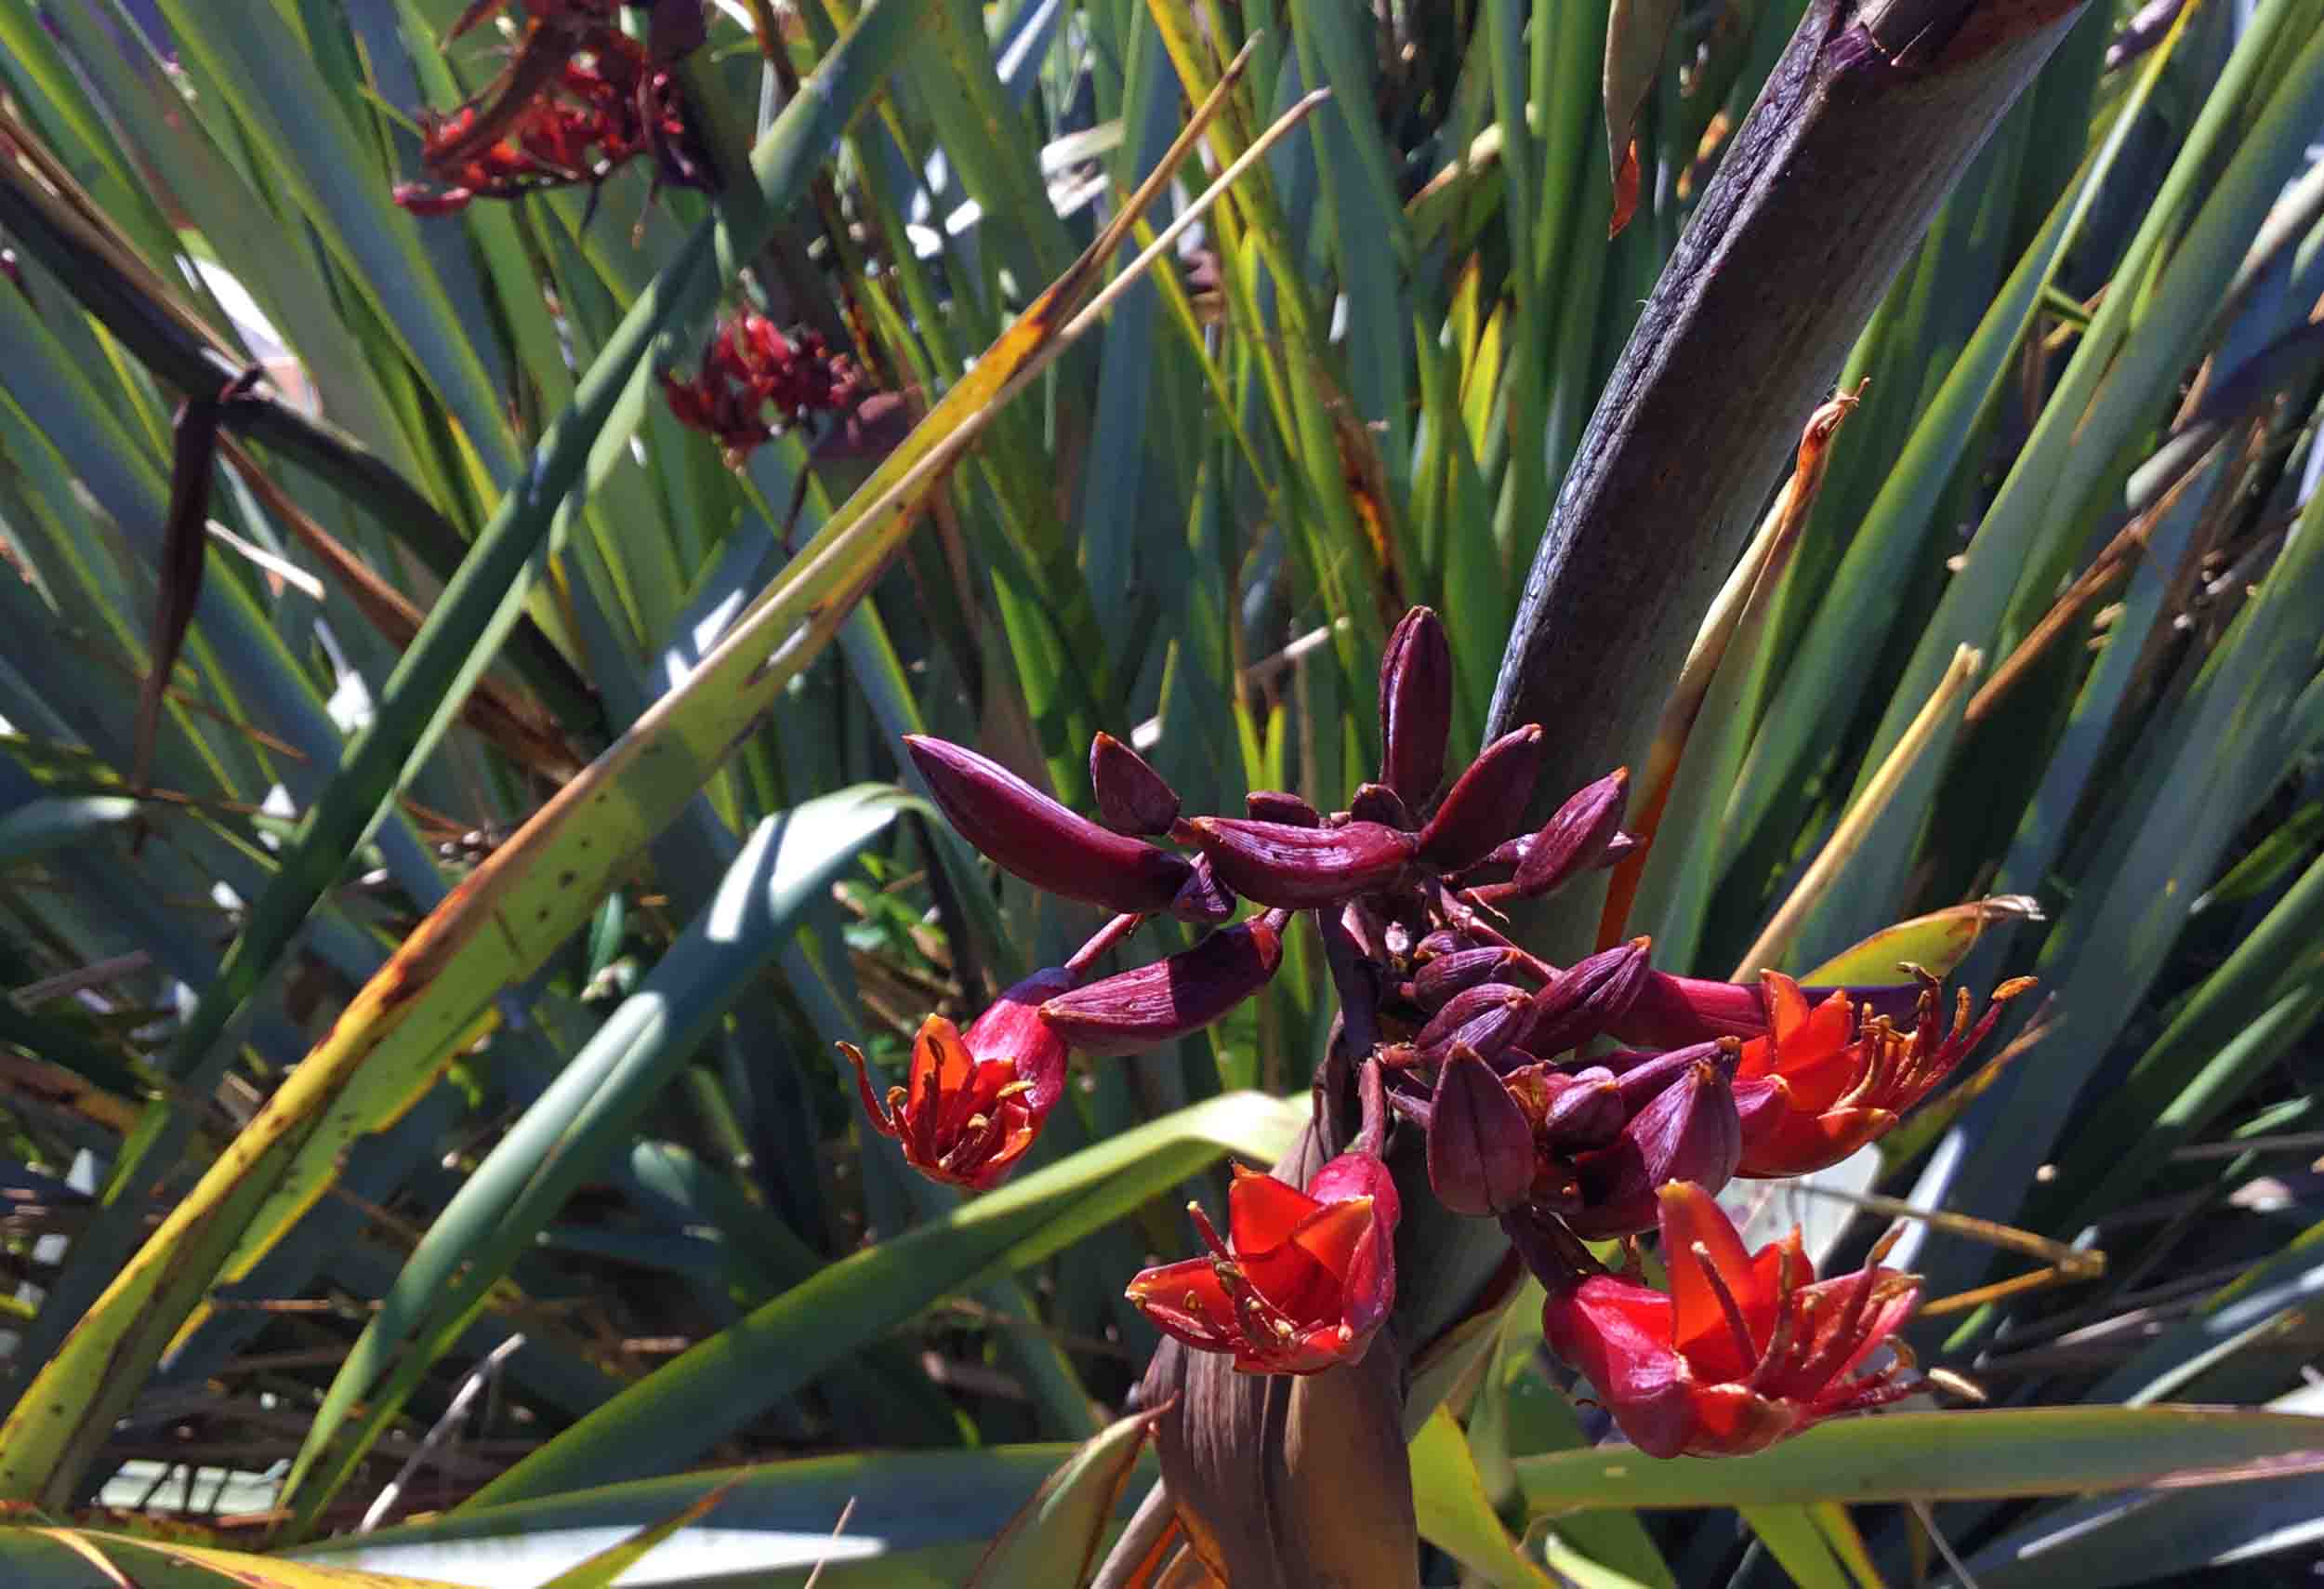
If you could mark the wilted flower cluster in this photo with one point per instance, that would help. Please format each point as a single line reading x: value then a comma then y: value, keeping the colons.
x: 1499, y: 1058
x: 751, y: 368
x: 579, y: 99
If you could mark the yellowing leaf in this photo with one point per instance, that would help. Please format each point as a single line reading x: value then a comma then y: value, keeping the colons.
x: 1636, y: 34
x: 1448, y: 1496
x: 1055, y: 1537
x: 63, y: 1558
x: 1938, y: 941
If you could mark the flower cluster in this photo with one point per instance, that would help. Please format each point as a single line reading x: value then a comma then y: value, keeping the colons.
x: 579, y: 99
x: 750, y: 367
x: 1744, y: 1349
x: 1578, y: 1102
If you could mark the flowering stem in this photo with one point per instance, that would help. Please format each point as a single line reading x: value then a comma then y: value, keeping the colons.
x: 1101, y: 943
x: 1373, y: 1093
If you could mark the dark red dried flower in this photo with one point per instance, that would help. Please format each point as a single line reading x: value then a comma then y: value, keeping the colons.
x: 755, y: 381
x: 579, y: 99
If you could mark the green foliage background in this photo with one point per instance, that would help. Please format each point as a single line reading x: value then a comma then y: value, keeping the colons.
x: 613, y: 1125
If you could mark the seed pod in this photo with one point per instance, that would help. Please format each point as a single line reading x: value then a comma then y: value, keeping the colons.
x: 1378, y: 803
x: 1587, y: 998
x: 1281, y: 805
x: 1416, y: 680
x: 1033, y: 836
x: 1440, y: 978
x: 1487, y: 802
x: 1132, y: 797
x: 1137, y: 1009
x: 1301, y: 868
x: 1480, y: 1149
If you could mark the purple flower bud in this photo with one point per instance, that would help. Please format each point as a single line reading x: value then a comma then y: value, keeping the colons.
x: 1416, y: 682
x: 1645, y: 1076
x: 1569, y: 1111
x: 1444, y: 941
x: 1486, y: 1017
x: 1487, y: 802
x: 1690, y: 1132
x: 1480, y: 1147
x: 1439, y: 979
x: 1033, y: 836
x: 1378, y: 803
x: 1300, y: 867
x: 1587, y: 998
x: 1280, y: 806
x: 1132, y: 797
x: 1586, y: 1112
x: 1578, y: 838
x: 1204, y: 901
x: 1151, y: 1004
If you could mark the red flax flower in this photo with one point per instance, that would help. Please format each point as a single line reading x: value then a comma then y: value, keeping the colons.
x: 1828, y: 1080
x: 750, y: 367
x: 1304, y: 1279
x: 974, y: 1100
x: 1746, y: 1349
x: 579, y: 98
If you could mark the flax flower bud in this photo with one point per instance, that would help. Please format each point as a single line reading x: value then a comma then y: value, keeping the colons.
x: 1587, y: 998
x: 1281, y: 805
x: 1441, y: 977
x: 1033, y: 836
x: 1480, y: 1146
x: 1584, y: 833
x: 1416, y: 682
x: 1151, y: 1004
x: 1132, y: 797
x: 1378, y: 803
x: 1486, y: 1018
x: 1487, y: 802
x: 1301, y: 868
x: 1689, y: 1132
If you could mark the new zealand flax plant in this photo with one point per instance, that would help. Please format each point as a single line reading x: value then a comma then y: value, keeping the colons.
x: 814, y: 738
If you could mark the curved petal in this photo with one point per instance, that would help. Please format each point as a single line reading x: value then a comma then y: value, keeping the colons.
x: 1733, y: 1422
x: 1306, y: 1278
x: 1787, y: 1006
x: 1800, y: 1143
x: 1896, y: 1294
x: 1692, y: 1218
x: 1357, y: 1175
x: 1185, y: 1300
x: 1261, y: 1211
x: 1618, y: 1334
x: 1368, y: 1293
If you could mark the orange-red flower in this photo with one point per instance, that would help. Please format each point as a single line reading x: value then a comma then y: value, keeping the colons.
x: 974, y: 1100
x: 1745, y: 1348
x: 1304, y: 1280
x: 1829, y: 1078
